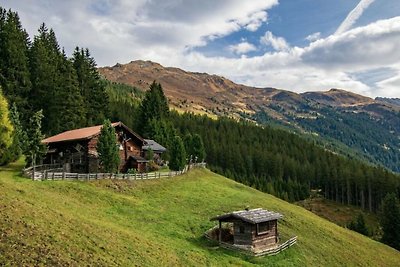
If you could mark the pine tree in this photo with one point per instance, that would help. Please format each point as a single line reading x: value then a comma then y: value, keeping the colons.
x: 199, y: 152
x: 14, y: 67
x: 178, y: 155
x: 70, y: 109
x: 107, y: 148
x: 45, y: 59
x: 390, y: 221
x: 6, y: 128
x: 92, y: 88
x: 34, y: 149
x: 187, y: 141
x: 153, y: 107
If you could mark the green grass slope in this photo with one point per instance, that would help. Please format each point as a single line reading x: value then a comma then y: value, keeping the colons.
x: 158, y: 223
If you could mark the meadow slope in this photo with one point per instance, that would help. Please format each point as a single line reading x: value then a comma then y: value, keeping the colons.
x: 158, y: 223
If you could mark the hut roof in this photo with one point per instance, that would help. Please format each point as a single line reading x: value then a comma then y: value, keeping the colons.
x: 153, y: 145
x: 253, y: 216
x: 84, y: 133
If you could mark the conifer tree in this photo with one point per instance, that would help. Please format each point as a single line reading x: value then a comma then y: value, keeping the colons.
x: 44, y: 67
x: 359, y: 225
x: 153, y: 107
x: 6, y: 128
x: 187, y: 141
x: 178, y: 155
x: 199, y: 152
x: 107, y: 148
x: 34, y: 149
x: 390, y: 221
x: 14, y: 67
x: 71, y: 109
x: 92, y: 89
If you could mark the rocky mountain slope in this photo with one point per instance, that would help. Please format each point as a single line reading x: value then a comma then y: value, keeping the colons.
x: 345, y: 121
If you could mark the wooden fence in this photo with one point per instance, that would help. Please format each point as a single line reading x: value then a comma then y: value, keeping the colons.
x: 54, y: 173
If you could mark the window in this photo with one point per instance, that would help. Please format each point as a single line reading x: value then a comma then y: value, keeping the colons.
x: 264, y: 228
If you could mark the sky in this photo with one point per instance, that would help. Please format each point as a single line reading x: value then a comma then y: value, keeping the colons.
x: 302, y: 45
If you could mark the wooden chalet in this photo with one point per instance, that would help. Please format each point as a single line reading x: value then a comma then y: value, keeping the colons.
x: 76, y: 150
x: 255, y: 230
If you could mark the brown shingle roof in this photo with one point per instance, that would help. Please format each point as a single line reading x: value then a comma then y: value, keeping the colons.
x: 251, y: 216
x: 77, y: 134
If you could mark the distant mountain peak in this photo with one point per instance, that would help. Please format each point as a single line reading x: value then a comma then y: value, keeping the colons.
x: 215, y: 95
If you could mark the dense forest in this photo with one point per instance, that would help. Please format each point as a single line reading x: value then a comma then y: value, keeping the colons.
x: 347, y: 131
x: 37, y: 75
x: 43, y: 86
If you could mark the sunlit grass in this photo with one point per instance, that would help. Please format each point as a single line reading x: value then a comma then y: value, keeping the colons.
x: 158, y: 223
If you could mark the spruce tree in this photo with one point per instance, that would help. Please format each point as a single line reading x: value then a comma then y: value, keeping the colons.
x: 154, y: 106
x: 14, y: 67
x: 178, y: 155
x: 45, y: 76
x: 187, y: 141
x: 34, y: 149
x: 70, y: 109
x: 6, y: 129
x: 199, y: 152
x: 390, y: 221
x: 107, y: 148
x: 92, y: 88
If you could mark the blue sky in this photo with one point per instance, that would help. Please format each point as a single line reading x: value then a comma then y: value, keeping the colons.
x: 300, y: 45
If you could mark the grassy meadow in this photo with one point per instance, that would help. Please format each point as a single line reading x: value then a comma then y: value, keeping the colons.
x: 158, y: 223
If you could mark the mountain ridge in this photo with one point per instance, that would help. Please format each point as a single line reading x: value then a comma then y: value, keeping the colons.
x: 352, y: 123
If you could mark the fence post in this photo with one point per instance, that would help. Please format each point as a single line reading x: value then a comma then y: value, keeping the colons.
x: 63, y: 175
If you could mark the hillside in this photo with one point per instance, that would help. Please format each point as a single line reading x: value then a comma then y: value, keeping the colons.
x: 158, y: 223
x: 346, y: 122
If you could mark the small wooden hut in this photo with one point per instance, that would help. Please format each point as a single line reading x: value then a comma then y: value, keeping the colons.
x: 254, y: 230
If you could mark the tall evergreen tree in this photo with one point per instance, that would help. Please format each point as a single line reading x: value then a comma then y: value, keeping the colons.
x: 199, y: 152
x: 107, y: 148
x: 14, y: 67
x: 93, y: 89
x: 178, y: 155
x: 34, y: 149
x: 45, y: 76
x: 390, y: 221
x: 153, y: 107
x: 70, y: 109
x: 6, y: 128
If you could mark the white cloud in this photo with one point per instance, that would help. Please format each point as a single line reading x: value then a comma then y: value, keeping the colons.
x: 168, y: 31
x: 354, y: 15
x: 242, y: 48
x: 313, y: 37
x: 390, y: 87
x: 277, y: 43
x: 372, y: 46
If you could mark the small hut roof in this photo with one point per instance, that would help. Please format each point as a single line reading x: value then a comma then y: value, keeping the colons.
x: 153, y: 145
x: 253, y: 216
